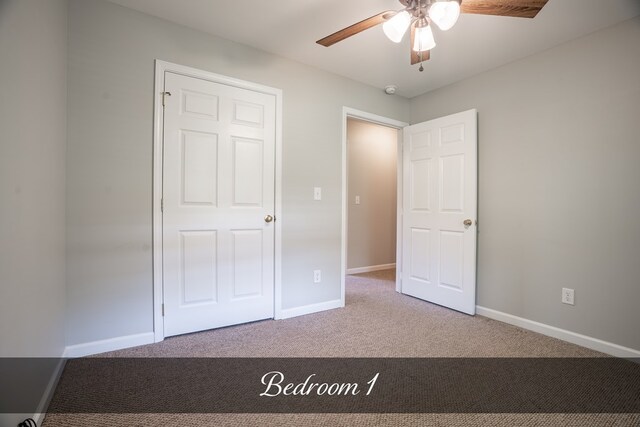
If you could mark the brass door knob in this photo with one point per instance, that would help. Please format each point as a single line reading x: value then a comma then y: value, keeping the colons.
x: 268, y: 218
x: 467, y: 223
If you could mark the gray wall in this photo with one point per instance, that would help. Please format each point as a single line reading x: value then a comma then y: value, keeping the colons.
x: 111, y: 65
x: 33, y: 67
x: 559, y: 196
x: 33, y: 93
x: 372, y: 169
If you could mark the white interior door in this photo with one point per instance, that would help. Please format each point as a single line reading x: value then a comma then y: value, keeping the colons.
x: 439, y: 211
x: 218, y: 189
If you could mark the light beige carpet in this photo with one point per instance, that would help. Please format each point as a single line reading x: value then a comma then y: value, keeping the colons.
x: 376, y: 322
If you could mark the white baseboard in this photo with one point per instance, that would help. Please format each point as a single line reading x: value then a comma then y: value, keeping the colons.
x: 552, y: 331
x: 38, y: 417
x: 111, y: 344
x: 308, y: 309
x: 371, y: 268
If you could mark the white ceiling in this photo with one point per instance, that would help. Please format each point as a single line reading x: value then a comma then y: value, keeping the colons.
x: 477, y: 43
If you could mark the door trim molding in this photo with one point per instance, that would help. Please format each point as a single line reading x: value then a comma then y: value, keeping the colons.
x: 158, y: 128
x: 384, y: 121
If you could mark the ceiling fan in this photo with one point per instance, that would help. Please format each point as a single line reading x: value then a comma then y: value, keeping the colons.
x: 420, y: 14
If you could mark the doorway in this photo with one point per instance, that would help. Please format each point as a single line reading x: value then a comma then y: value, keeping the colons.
x: 372, y: 157
x: 436, y: 213
x: 391, y: 126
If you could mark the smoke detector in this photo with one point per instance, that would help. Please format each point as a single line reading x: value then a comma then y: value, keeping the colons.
x: 391, y: 89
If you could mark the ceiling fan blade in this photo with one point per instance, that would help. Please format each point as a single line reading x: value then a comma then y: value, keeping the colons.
x: 415, y: 56
x: 356, y: 28
x: 515, y: 8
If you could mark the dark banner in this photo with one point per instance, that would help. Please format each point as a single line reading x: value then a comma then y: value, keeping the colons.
x: 329, y: 385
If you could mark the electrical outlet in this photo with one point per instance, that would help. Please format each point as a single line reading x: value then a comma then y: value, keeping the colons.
x: 317, y: 276
x: 568, y: 296
x: 317, y: 193
x: 357, y: 200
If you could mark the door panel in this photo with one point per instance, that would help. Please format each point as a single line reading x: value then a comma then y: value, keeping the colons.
x: 440, y: 181
x: 451, y: 259
x: 421, y: 254
x: 420, y: 193
x: 198, y: 258
x: 199, y: 168
x: 452, y: 183
x: 199, y: 104
x: 218, y: 185
x: 247, y: 274
x: 248, y: 114
x: 247, y: 172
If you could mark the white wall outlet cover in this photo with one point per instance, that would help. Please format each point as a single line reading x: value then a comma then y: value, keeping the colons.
x: 317, y: 193
x: 317, y: 276
x: 568, y: 296
x: 357, y: 200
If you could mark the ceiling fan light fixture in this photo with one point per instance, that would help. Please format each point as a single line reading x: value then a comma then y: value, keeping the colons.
x: 395, y: 27
x: 420, y: 14
x: 424, y: 39
x: 445, y: 14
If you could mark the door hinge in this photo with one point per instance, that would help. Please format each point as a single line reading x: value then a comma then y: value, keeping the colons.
x: 163, y: 309
x: 162, y: 205
x: 164, y: 96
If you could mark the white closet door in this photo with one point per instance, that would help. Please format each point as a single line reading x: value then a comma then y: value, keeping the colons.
x: 218, y: 194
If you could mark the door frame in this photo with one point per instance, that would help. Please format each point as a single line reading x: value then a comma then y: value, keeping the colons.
x: 158, y: 137
x: 348, y: 112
